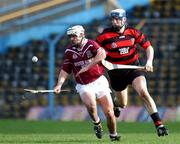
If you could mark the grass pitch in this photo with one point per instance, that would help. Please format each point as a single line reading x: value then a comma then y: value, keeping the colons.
x: 58, y: 132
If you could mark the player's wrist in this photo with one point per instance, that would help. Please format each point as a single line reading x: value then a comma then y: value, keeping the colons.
x: 59, y: 84
x: 149, y: 62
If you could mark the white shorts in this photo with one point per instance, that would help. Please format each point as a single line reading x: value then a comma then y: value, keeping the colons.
x: 98, y: 88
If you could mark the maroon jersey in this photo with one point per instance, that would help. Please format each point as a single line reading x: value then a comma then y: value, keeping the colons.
x: 76, y: 59
x: 121, y: 48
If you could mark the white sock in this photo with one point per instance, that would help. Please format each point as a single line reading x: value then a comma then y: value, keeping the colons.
x: 113, y: 135
x: 97, y: 121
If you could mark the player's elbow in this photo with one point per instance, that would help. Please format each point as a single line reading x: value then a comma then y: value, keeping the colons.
x: 103, y: 53
x: 150, y: 49
x: 103, y: 56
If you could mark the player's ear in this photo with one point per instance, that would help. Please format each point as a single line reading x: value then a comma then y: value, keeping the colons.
x: 82, y: 34
x: 124, y: 19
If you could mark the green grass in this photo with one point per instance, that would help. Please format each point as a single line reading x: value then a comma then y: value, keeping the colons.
x: 58, y: 132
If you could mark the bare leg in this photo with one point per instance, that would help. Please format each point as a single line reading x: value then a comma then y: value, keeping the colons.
x: 122, y: 98
x: 140, y: 86
x: 107, y: 106
x: 90, y: 103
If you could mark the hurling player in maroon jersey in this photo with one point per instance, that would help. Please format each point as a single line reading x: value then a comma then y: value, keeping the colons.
x: 92, y: 85
x: 119, y: 41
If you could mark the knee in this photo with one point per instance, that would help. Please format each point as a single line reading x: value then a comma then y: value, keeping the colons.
x: 144, y: 94
x: 120, y: 103
x: 109, y: 113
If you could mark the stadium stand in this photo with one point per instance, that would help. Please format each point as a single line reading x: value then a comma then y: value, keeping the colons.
x: 161, y: 26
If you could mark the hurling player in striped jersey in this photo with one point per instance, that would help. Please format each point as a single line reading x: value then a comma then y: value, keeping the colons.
x: 120, y: 43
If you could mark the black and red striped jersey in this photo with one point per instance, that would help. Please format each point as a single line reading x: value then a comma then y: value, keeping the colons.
x: 122, y: 48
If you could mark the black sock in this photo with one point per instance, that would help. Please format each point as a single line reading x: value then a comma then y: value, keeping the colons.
x: 156, y: 119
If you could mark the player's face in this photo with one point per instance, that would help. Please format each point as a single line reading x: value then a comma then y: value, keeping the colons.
x: 117, y: 22
x: 75, y: 40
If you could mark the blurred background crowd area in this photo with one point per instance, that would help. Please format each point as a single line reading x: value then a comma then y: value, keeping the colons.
x: 158, y: 19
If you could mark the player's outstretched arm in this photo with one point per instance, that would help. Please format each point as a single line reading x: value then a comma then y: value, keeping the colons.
x: 150, y: 57
x: 61, y: 79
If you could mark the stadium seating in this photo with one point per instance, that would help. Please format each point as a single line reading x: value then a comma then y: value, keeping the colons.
x: 18, y: 71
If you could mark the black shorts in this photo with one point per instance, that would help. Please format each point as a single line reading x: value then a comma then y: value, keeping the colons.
x: 121, y: 78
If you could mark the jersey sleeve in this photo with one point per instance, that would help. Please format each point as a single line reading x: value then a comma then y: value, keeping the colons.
x: 67, y: 65
x: 95, y: 47
x: 141, y: 39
